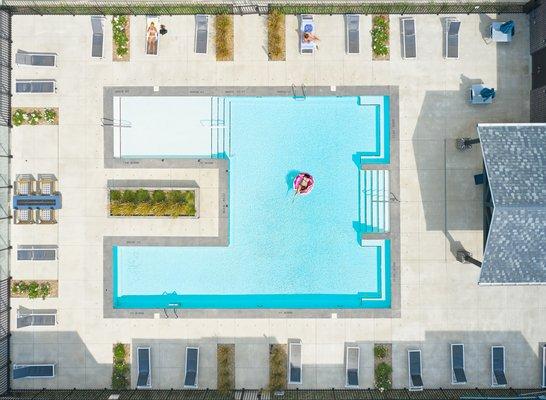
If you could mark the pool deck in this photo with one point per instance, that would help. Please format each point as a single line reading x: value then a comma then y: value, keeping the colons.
x: 440, y: 207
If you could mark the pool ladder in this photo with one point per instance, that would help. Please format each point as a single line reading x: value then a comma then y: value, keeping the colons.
x: 295, y: 94
x: 219, y: 140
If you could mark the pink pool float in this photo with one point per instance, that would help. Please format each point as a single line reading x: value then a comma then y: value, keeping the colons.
x: 303, y: 183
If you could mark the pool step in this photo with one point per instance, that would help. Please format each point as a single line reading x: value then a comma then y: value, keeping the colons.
x: 218, y: 127
x: 374, y: 201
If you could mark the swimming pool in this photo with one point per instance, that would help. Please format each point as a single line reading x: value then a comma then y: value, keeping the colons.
x: 284, y: 251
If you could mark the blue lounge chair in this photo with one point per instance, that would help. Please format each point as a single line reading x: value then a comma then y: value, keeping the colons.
x: 144, y: 379
x: 192, y: 367
x: 498, y: 376
x: 21, y: 371
x: 414, y: 370
x: 458, y: 375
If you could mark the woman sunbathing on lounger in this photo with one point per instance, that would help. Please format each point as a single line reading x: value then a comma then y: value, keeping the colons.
x: 309, y: 37
x: 152, y: 39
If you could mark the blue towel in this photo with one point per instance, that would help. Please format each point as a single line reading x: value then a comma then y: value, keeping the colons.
x: 486, y: 93
x: 507, y: 27
x: 308, y: 28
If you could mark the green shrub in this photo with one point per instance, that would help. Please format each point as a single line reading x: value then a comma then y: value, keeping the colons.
x: 380, y: 351
x: 120, y: 369
x: 380, y: 35
x: 159, y: 196
x: 32, y: 289
x: 129, y: 196
x: 383, y: 376
x: 34, y: 117
x: 50, y: 115
x: 115, y: 195
x: 142, y: 196
x: 176, y: 196
x: 18, y: 117
x: 119, y: 351
x: 120, y: 36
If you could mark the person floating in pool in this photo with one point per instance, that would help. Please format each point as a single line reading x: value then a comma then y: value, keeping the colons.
x: 309, y: 37
x: 303, y: 183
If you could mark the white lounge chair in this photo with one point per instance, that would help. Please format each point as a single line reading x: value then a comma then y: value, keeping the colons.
x: 201, y: 33
x: 408, y: 37
x: 192, y: 367
x: 543, y: 381
x: 352, y: 366
x: 352, y: 32
x: 307, y: 25
x: 543, y: 375
x: 97, y: 42
x: 294, y: 363
x: 458, y: 375
x: 144, y: 379
x: 415, y: 370
x: 451, y: 44
x: 498, y: 367
x: 152, y: 35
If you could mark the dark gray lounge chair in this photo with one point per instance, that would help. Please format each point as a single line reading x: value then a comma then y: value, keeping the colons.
x: 33, y: 371
x: 414, y: 370
x: 352, y: 27
x: 544, y: 366
x: 192, y: 367
x: 144, y: 379
x: 452, y: 38
x: 201, y: 33
x: 408, y: 37
x: 35, y: 86
x: 34, y: 59
x: 543, y: 380
x: 294, y: 363
x: 26, y: 317
x: 352, y: 363
x: 97, y: 44
x: 458, y: 375
x: 498, y: 377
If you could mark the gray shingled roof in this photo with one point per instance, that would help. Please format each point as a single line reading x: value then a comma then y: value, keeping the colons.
x: 515, y: 161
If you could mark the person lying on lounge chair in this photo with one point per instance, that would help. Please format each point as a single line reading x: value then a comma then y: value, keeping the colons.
x: 152, y: 39
x: 309, y: 37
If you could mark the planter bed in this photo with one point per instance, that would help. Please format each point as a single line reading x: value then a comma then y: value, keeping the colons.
x: 135, y: 202
x: 121, y: 370
x: 380, y: 37
x: 225, y: 355
x: 121, y: 38
x: 52, y: 291
x: 42, y: 116
x: 383, y: 366
x: 278, y: 359
x: 223, y: 38
x: 276, y: 28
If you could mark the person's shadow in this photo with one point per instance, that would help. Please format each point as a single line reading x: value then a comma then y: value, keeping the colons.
x: 290, y: 176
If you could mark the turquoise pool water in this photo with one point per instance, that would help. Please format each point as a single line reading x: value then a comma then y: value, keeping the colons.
x: 284, y: 251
